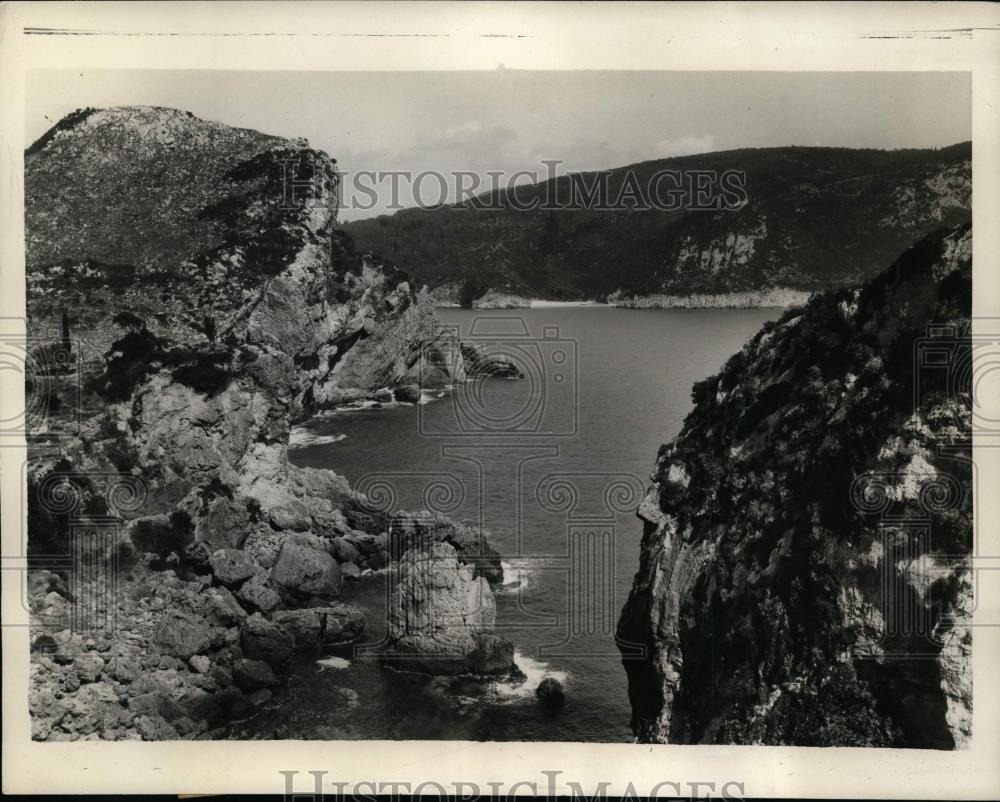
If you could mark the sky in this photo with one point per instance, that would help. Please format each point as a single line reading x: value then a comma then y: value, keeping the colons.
x: 509, y: 121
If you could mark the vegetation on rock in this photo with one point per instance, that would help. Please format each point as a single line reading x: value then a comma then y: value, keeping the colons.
x: 816, y: 218
x: 821, y: 476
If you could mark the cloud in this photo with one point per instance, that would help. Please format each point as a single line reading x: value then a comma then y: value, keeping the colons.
x: 470, y: 138
x: 684, y: 146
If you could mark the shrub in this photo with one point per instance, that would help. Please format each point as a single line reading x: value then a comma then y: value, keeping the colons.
x: 131, y: 359
x: 139, y: 353
x: 124, y: 556
x: 164, y: 538
x: 206, y: 372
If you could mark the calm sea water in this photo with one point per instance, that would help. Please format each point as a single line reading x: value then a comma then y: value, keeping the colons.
x: 553, y: 467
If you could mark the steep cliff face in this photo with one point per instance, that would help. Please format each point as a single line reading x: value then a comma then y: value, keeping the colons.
x: 212, y: 302
x: 804, y: 570
x: 207, y: 260
x: 216, y: 238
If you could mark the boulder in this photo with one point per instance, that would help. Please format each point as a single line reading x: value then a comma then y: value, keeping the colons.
x: 222, y: 609
x: 550, y: 692
x: 350, y: 571
x: 180, y: 634
x: 157, y: 704
x: 232, y: 567
x: 45, y: 644
x: 290, y: 514
x: 123, y: 669
x: 156, y: 729
x: 346, y: 552
x: 493, y: 654
x: 200, y: 664
x: 88, y: 667
x: 223, y: 524
x: 480, y: 361
x: 261, y: 697
x: 262, y: 640
x: 228, y: 704
x: 263, y: 545
x: 252, y: 675
x: 307, y: 571
x: 418, y: 530
x: 408, y: 393
x: 321, y: 625
x: 440, y: 615
x: 259, y: 594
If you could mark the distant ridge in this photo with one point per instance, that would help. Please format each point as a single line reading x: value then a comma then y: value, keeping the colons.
x: 815, y: 217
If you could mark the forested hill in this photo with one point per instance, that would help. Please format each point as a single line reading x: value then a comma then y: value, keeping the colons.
x: 811, y: 218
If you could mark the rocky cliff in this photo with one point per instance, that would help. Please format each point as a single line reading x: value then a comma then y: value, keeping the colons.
x: 808, y: 219
x: 204, y: 263
x: 804, y: 570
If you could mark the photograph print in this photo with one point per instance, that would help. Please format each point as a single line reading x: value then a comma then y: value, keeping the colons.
x: 507, y: 405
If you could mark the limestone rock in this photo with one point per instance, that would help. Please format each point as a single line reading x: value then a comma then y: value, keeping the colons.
x: 222, y: 608
x: 483, y: 360
x: 223, y: 524
x: 321, y: 626
x: 440, y: 614
x: 262, y: 640
x: 88, y: 667
x: 307, y: 571
x: 408, y: 393
x: 257, y: 593
x: 180, y: 634
x: 232, y: 566
x: 409, y: 531
x: 252, y: 675
x: 774, y: 603
x: 550, y: 692
x: 345, y: 551
x: 200, y: 664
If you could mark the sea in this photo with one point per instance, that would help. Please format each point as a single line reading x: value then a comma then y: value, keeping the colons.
x: 552, y: 466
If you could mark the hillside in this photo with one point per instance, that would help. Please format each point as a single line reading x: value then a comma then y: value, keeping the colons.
x: 211, y: 313
x: 168, y: 216
x: 804, y: 572
x: 814, y: 218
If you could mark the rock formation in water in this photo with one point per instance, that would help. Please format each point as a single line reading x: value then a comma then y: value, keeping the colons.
x: 441, y: 616
x: 203, y: 262
x: 804, y: 571
x: 807, y: 219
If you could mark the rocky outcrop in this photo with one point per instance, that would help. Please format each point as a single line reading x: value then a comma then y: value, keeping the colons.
x: 771, y: 298
x: 482, y: 361
x: 164, y: 671
x: 804, y: 570
x: 204, y: 266
x: 418, y: 532
x: 440, y: 617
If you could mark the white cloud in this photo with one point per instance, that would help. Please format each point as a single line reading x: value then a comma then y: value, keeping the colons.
x: 684, y: 146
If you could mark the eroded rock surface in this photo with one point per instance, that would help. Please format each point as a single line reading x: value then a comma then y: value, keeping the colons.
x: 440, y: 616
x: 804, y: 570
x: 214, y: 312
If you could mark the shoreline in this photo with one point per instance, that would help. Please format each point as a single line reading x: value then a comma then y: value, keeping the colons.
x: 773, y: 298
x: 680, y: 305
